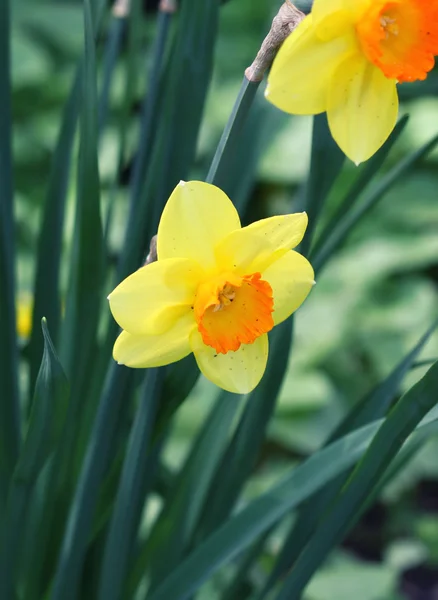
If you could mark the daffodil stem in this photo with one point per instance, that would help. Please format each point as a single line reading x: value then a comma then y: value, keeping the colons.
x: 285, y: 21
x: 224, y: 155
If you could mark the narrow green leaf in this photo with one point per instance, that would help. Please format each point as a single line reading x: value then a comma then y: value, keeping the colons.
x: 180, y: 380
x: 86, y: 282
x: 399, y: 424
x: 341, y: 232
x: 366, y: 175
x: 188, y: 495
x: 149, y: 109
x: 113, y: 46
x: 47, y: 417
x: 46, y: 423
x: 47, y: 301
x: 326, y: 162
x: 80, y: 518
x: 184, y: 93
x: 234, y: 590
x: 406, y: 454
x: 129, y: 506
x: 244, y: 528
x: 9, y: 402
x: 373, y: 406
x: 243, y: 449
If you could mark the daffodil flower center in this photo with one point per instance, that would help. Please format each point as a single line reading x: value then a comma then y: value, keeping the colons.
x: 389, y: 26
x: 225, y: 297
x: 231, y: 310
x: 400, y: 37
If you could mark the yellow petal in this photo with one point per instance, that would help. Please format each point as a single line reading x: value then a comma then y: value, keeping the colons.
x: 362, y: 109
x: 245, y: 252
x: 196, y: 217
x: 291, y: 278
x: 237, y: 372
x: 150, y: 300
x: 284, y: 231
x: 144, y: 351
x: 303, y: 68
x: 333, y: 17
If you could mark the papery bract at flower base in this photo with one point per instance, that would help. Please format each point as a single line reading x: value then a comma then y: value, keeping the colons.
x: 346, y: 58
x: 216, y: 289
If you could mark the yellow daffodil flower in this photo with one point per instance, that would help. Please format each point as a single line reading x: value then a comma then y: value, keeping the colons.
x: 346, y: 58
x: 215, y: 290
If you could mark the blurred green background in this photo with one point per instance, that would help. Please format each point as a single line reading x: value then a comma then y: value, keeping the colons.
x: 371, y: 304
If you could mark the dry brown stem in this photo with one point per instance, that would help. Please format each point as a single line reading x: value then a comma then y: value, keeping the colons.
x: 287, y: 19
x: 152, y: 256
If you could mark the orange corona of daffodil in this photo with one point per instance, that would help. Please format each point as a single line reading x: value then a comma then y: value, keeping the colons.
x: 346, y: 58
x: 215, y: 290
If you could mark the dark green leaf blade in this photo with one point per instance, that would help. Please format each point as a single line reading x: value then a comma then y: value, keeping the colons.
x: 243, y: 449
x: 9, y: 402
x: 399, y: 424
x: 80, y: 519
x: 243, y: 529
x: 47, y: 300
x: 189, y: 493
x: 46, y: 423
x: 128, y: 505
x: 373, y: 406
x: 87, y: 273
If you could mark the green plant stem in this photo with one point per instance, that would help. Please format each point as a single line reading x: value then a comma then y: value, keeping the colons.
x: 9, y: 399
x: 225, y: 151
x: 326, y: 162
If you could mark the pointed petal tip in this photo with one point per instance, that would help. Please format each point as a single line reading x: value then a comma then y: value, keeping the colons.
x: 182, y: 182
